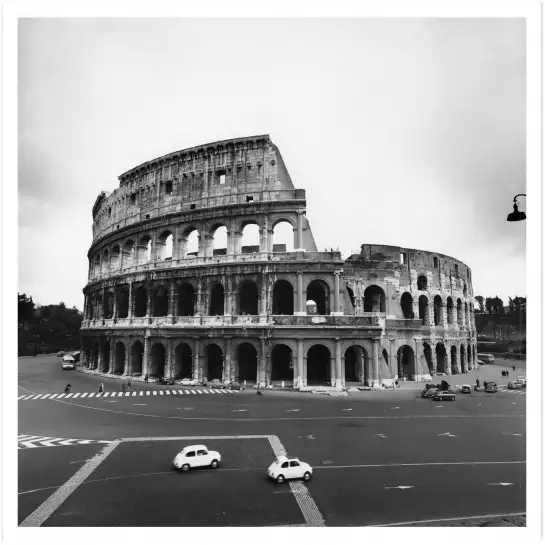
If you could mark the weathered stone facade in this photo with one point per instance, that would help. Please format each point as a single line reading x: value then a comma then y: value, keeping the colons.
x: 258, y: 312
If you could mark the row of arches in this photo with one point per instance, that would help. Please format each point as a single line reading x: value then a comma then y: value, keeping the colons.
x: 137, y: 251
x: 432, y: 313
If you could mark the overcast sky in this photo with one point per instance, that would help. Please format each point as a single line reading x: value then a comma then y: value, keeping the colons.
x: 407, y: 132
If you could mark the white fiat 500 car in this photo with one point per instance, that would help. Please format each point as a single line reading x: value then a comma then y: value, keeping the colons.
x: 189, y: 382
x: 196, y: 456
x: 285, y: 467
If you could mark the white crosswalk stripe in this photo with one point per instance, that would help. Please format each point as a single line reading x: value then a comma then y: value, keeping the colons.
x: 36, y: 441
x: 200, y: 391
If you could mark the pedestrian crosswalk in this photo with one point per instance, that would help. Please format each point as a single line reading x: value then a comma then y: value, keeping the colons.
x: 140, y: 393
x: 36, y: 441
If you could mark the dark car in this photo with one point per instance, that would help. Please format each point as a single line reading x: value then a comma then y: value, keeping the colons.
x: 216, y: 383
x: 235, y: 386
x: 491, y: 387
x: 466, y: 389
x: 428, y: 392
x: 442, y: 395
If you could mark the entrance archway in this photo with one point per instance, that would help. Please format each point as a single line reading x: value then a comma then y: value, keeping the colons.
x: 183, y: 362
x: 318, y: 291
x: 428, y: 357
x: 122, y: 302
x: 214, y: 362
x: 356, y: 365
x: 405, y: 362
x: 463, y: 361
x: 137, y: 357
x: 374, y: 299
x: 158, y: 360
x: 119, y: 364
x: 407, y: 305
x: 247, y: 362
x: 283, y: 298
x: 105, y: 357
x: 318, y: 365
x: 282, y: 363
x: 441, y: 353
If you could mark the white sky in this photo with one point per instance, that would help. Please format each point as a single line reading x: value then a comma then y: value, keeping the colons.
x: 407, y: 132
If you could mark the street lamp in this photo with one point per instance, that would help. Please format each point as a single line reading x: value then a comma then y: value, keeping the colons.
x: 516, y: 215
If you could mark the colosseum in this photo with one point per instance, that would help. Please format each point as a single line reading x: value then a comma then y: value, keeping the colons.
x: 203, y: 265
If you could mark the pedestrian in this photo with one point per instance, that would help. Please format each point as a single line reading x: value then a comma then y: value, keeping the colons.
x: 513, y: 368
x: 507, y: 374
x: 146, y: 377
x: 129, y: 385
x: 101, y: 388
x: 396, y: 383
x: 68, y: 388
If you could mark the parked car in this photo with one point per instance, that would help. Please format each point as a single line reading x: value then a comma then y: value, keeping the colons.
x: 486, y: 358
x: 236, y: 386
x: 442, y: 395
x: 189, y: 382
x: 466, y: 389
x: 216, y: 383
x: 60, y: 354
x: 491, y: 387
x: 289, y: 468
x: 196, y: 456
x: 514, y: 385
x: 522, y: 380
x: 428, y: 392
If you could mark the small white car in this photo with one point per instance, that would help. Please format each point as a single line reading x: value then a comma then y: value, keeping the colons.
x: 522, y: 380
x: 285, y: 467
x: 189, y: 382
x: 196, y: 456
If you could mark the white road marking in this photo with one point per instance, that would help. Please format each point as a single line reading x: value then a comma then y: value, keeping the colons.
x: 420, y: 464
x: 91, y: 394
x: 49, y: 506
x: 394, y: 408
x: 167, y: 392
x: 140, y: 404
x: 154, y: 392
x: 501, y: 484
x: 439, y: 406
x: 199, y: 392
x: 108, y: 393
x: 517, y: 434
x: 28, y: 397
x: 213, y: 392
x: 69, y: 395
x: 400, y: 487
x: 148, y: 393
x: 347, y: 409
x: 192, y: 391
x: 238, y: 410
x: 293, y: 410
x: 306, y: 437
x: 428, y: 521
x: 161, y: 392
x: 53, y: 396
x: 206, y: 391
x: 79, y: 461
x: 381, y: 435
x: 127, y: 394
x: 447, y: 434
x: 46, y: 396
x: 84, y: 395
x: 111, y: 401
x: 181, y: 392
x: 141, y: 393
x: 134, y: 393
x: 77, y: 395
x: 21, y: 397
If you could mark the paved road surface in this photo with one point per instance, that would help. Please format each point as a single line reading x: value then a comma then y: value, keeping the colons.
x: 380, y: 458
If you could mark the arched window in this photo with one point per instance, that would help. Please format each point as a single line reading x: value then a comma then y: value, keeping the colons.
x: 374, y: 299
x: 437, y: 305
x: 423, y: 310
x: 191, y: 242
x: 164, y: 245
x: 422, y: 283
x: 143, y: 250
x: 407, y: 305
x: 217, y: 300
x: 220, y: 241
x: 250, y: 239
x: 105, y: 262
x: 128, y: 254
x: 114, y: 258
x: 282, y: 237
x: 283, y: 298
x: 318, y: 291
x: 248, y: 298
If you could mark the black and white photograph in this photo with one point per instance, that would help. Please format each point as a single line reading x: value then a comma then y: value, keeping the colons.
x: 274, y: 269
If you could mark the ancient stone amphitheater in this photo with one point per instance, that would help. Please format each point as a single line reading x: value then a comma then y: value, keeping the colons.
x: 203, y: 265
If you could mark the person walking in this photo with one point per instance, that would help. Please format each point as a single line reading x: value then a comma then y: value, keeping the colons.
x: 129, y: 385
x: 68, y: 388
x: 124, y: 387
x: 101, y: 388
x: 146, y: 378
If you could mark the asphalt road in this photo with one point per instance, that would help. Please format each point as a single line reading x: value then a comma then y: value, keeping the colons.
x: 380, y: 458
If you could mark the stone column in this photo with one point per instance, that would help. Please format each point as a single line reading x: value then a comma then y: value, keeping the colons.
x: 174, y: 310
x: 455, y: 315
x: 102, y: 297
x: 301, y: 310
x: 171, y: 290
x: 448, y: 368
x: 168, y: 359
x: 99, y: 362
x: 114, y: 315
x: 227, y: 368
x: 339, y: 379
x: 299, y: 232
x: 360, y: 365
x: 197, y: 360
x: 262, y: 361
x: 301, y: 379
x: 130, y: 312
x: 374, y: 344
x: 198, y: 306
x: 443, y: 315
x: 418, y: 354
x: 433, y: 355
x: 126, y: 366
x: 270, y: 240
x: 149, y: 304
x: 263, y: 295
x: 112, y: 356
x: 228, y: 295
x: 416, y: 310
x: 146, y: 357
x: 337, y: 295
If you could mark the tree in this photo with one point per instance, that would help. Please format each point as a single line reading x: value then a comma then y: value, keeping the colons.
x: 494, y: 305
x: 480, y: 300
x: 25, y: 308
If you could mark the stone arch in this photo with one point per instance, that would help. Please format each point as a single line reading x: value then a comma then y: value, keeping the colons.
x: 318, y: 365
x: 190, y: 242
x: 283, y: 219
x: 122, y: 295
x: 249, y: 240
x: 219, y: 239
x: 407, y: 305
x: 158, y: 360
x: 374, y: 299
x: 127, y: 254
x: 247, y: 362
x: 160, y: 301
x: 213, y: 368
x: 454, y: 360
x: 97, y: 265
x: 186, y: 299
x: 441, y: 355
x: 137, y: 358
x: 282, y: 364
x: 450, y: 312
x: 459, y: 312
x: 283, y: 233
x: 140, y: 302
x: 318, y: 291
x: 437, y: 305
x: 422, y: 283
x: 108, y: 305
x: 282, y: 296
x: 115, y: 256
x: 465, y: 290
x: 143, y: 250
x: 406, y: 362
x: 119, y: 360
x: 248, y: 298
x: 105, y: 348
x: 356, y: 365
x: 165, y: 243
x: 351, y: 297
x: 183, y: 361
x: 424, y: 310
x: 217, y: 299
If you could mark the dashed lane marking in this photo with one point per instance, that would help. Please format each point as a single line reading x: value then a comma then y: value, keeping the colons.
x: 36, y: 441
x: 76, y: 395
x: 84, y: 394
x: 428, y: 521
